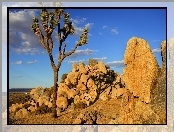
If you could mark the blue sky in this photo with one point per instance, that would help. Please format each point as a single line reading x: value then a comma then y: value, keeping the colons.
x: 109, y: 31
x: 170, y: 31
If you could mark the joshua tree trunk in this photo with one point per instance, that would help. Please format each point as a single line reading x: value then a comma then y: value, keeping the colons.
x: 55, y: 88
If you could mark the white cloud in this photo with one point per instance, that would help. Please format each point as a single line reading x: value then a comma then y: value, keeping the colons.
x: 76, y: 61
x: 21, y: 38
x: 27, y: 50
x: 18, y: 62
x: 78, y: 53
x: 85, y: 52
x: 89, y: 25
x: 100, y: 33
x: 36, y: 61
x: 116, y: 64
x: 78, y: 31
x: 157, y: 50
x: 155, y: 40
x: 100, y: 59
x: 76, y: 21
x: 114, y: 31
x: 32, y: 62
x: 105, y: 27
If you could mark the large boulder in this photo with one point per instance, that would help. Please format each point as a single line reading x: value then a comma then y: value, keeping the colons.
x: 82, y: 68
x: 62, y: 103
x: 22, y: 112
x: 101, y: 67
x: 141, y: 68
x: 72, y: 78
x: 75, y: 67
x: 64, y: 90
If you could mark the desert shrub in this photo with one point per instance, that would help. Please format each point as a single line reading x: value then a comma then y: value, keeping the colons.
x: 43, y: 110
x: 92, y: 62
x: 17, y: 109
x: 47, y: 92
x: 26, y: 106
x: 64, y: 76
x: 80, y: 105
x: 18, y: 98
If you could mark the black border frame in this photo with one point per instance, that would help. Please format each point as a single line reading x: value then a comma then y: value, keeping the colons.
x: 8, y: 8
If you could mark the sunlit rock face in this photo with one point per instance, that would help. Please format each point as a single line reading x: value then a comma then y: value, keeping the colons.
x: 141, y: 68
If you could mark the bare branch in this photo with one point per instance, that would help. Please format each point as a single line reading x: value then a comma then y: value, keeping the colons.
x: 51, y: 59
x: 64, y: 49
x: 40, y: 37
x: 70, y: 52
x: 51, y: 44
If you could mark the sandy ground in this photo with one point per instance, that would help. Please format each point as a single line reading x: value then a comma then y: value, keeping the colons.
x: 81, y: 128
x: 101, y: 128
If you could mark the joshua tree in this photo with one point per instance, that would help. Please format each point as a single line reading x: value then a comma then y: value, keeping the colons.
x: 49, y: 21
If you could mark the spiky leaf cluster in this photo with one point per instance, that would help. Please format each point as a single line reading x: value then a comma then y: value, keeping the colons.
x: 59, y: 12
x: 48, y: 20
x: 44, y: 15
x: 35, y: 24
x: 83, y: 37
x: 68, y: 27
x: 53, y: 22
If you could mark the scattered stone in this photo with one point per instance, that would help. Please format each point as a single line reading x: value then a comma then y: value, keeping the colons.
x: 62, y: 103
x: 22, y: 112
x: 15, y: 107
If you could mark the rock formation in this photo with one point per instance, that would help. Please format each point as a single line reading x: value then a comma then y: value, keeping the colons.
x: 159, y: 92
x: 141, y: 68
x: 87, y: 84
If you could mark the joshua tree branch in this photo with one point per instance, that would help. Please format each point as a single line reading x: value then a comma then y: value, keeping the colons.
x: 40, y: 37
x: 64, y: 49
x: 70, y: 52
